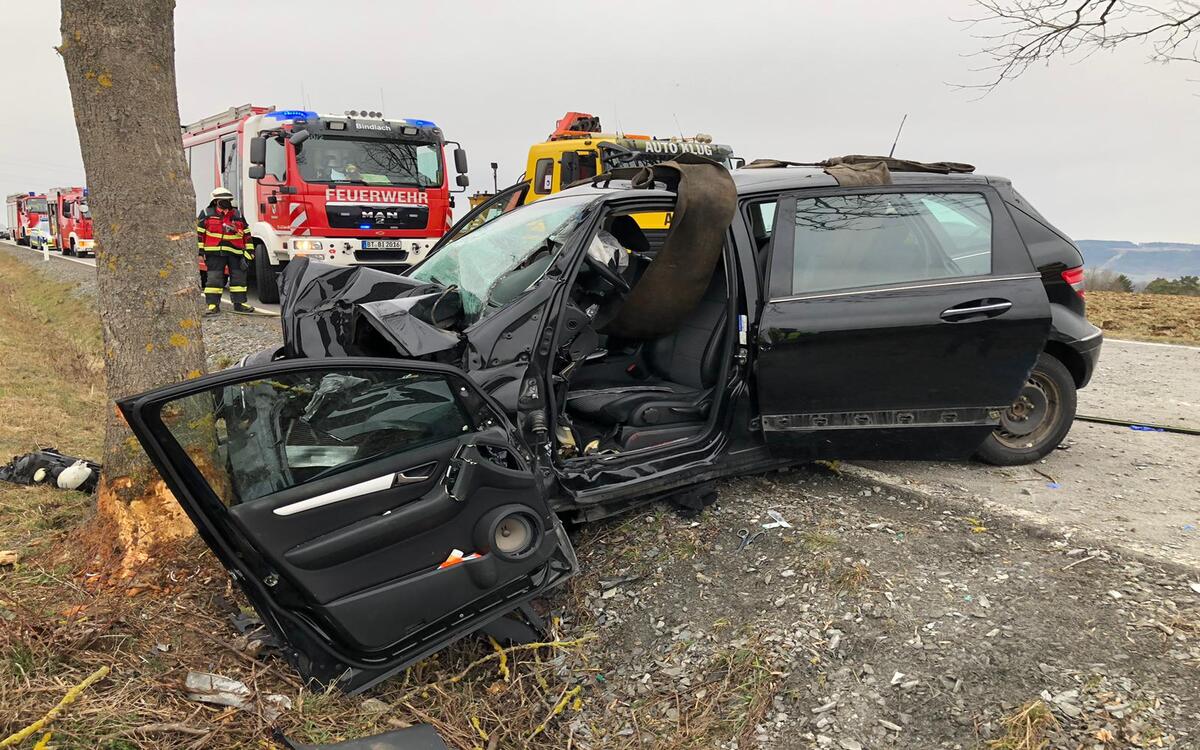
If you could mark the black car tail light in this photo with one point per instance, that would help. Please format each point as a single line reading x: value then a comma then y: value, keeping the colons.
x: 1074, y: 277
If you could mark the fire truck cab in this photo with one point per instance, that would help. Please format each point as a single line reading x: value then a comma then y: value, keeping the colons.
x: 70, y: 221
x: 352, y: 189
x: 24, y: 211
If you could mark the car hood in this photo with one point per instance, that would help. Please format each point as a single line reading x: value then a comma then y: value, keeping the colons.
x: 333, y: 311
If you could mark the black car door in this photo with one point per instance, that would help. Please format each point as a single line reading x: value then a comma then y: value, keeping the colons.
x: 897, y: 321
x: 340, y: 494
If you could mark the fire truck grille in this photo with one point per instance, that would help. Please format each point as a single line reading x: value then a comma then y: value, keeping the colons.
x: 380, y: 256
x: 345, y: 216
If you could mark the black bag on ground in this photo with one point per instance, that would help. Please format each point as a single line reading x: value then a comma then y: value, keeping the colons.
x: 46, y: 466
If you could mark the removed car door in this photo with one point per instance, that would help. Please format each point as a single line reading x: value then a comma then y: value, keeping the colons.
x: 899, y: 322
x: 336, y: 490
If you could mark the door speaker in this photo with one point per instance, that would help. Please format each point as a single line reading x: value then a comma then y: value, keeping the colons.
x: 511, y: 532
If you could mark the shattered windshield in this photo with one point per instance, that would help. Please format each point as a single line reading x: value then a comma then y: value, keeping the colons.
x: 525, y: 240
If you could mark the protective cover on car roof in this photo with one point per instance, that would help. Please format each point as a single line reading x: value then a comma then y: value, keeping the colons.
x: 674, y: 283
x: 858, y: 170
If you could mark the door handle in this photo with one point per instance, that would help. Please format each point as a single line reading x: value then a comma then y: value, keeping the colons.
x: 985, y: 308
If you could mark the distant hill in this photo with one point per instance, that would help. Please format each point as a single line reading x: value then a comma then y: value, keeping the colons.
x: 1142, y: 261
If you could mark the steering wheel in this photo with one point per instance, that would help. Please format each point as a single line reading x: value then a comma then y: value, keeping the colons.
x: 612, y: 277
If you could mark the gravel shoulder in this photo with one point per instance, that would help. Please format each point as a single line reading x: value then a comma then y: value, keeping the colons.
x: 880, y: 619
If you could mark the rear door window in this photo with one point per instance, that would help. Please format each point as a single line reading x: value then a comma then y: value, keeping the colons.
x: 867, y: 240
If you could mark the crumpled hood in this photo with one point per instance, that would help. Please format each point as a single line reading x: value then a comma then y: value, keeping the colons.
x: 331, y: 311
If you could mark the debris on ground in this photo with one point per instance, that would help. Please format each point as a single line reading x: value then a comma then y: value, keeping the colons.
x: 204, y: 687
x: 417, y: 737
x: 9, y: 557
x: 48, y: 466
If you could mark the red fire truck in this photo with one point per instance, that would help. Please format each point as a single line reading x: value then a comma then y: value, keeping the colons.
x: 353, y: 189
x: 24, y: 211
x: 70, y: 221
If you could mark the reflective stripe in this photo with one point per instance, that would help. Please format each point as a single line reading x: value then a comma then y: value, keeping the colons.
x: 239, y: 288
x: 219, y: 236
x: 213, y: 289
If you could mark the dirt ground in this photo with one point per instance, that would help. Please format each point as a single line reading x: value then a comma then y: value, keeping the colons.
x: 1148, y: 317
x: 904, y: 610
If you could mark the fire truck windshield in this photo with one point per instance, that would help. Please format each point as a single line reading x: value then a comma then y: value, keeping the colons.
x: 370, y: 162
x: 36, y: 205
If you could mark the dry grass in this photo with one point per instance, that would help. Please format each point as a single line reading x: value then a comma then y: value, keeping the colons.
x: 1146, y: 317
x: 1026, y: 728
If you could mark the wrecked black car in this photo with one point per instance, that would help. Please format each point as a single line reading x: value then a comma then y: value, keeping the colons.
x: 397, y: 474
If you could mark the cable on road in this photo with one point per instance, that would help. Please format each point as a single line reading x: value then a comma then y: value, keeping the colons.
x: 1147, y: 426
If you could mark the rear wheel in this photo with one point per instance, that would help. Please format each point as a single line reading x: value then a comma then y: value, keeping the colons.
x: 1037, y: 421
x: 265, y: 277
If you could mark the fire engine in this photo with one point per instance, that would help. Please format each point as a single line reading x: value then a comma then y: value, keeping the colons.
x: 351, y: 189
x: 25, y: 210
x: 70, y: 221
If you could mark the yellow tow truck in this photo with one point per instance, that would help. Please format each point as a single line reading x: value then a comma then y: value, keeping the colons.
x: 578, y: 149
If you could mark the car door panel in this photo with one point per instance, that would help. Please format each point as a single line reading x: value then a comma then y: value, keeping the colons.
x: 335, y: 528
x: 915, y: 369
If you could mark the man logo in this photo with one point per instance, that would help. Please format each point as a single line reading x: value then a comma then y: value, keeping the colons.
x: 379, y: 215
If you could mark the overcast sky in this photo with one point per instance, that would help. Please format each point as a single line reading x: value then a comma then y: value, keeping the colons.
x: 1105, y: 148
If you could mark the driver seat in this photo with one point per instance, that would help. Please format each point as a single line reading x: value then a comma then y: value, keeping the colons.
x: 672, y: 379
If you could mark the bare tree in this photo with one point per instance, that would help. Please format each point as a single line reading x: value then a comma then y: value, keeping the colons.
x: 120, y: 61
x: 1020, y: 33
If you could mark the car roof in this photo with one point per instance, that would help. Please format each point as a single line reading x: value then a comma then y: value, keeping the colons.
x: 798, y: 178
x: 776, y: 179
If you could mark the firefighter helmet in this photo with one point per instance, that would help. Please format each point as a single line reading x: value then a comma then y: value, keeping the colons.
x: 221, y: 194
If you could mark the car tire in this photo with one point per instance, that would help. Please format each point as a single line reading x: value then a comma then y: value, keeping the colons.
x: 1037, y: 421
x: 265, y: 277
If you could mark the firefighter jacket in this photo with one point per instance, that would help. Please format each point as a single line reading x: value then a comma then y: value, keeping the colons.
x: 223, y: 231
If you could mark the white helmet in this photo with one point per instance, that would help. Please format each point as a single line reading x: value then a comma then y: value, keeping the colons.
x: 221, y: 194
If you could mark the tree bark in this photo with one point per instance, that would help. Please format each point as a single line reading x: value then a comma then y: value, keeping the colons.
x: 120, y: 61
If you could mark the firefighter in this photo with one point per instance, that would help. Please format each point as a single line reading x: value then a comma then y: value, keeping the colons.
x: 223, y: 241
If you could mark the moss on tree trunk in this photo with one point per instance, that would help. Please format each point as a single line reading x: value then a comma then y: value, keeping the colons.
x: 120, y: 61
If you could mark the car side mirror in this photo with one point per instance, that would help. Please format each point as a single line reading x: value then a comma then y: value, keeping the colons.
x: 258, y: 150
x: 736, y: 162
x: 462, y: 180
x: 257, y: 171
x: 460, y: 162
x: 300, y: 136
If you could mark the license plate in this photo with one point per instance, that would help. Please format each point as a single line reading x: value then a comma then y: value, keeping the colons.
x: 383, y: 244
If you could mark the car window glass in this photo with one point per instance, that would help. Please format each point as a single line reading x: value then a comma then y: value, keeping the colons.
x: 543, y: 176
x: 965, y: 223
x: 204, y: 178
x: 851, y: 241
x: 258, y: 437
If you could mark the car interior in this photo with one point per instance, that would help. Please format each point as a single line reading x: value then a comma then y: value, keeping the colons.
x: 618, y: 394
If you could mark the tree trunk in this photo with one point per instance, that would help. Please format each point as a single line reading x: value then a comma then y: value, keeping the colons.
x: 120, y: 62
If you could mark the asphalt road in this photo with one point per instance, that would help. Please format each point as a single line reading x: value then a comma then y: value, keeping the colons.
x: 56, y: 257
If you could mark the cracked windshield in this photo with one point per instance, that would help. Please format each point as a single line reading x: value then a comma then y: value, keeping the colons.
x: 481, y: 263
